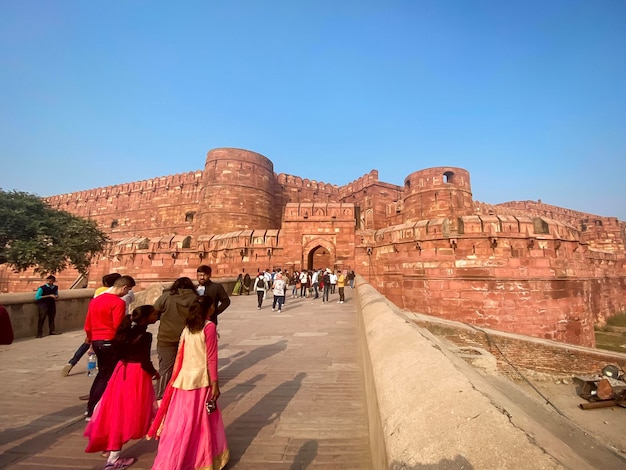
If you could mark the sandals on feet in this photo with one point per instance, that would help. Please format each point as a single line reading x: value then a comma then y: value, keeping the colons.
x: 121, y: 463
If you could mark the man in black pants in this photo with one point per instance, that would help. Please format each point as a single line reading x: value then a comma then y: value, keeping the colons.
x: 104, y: 315
x: 46, y: 298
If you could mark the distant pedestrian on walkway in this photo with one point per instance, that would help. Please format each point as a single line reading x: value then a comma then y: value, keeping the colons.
x: 295, y: 283
x: 260, y: 288
x: 104, y: 315
x: 326, y: 281
x: 173, y: 308
x: 189, y: 422
x: 279, y: 292
x: 46, y: 298
x: 247, y: 284
x: 128, y: 405
x: 315, y: 282
x: 333, y: 281
x: 238, y: 285
x: 351, y: 277
x: 341, y: 286
x: 303, y: 283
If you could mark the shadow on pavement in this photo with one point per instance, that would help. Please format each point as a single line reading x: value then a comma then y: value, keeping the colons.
x: 265, y: 412
x: 253, y: 357
x: 42, y: 439
x: 305, y: 456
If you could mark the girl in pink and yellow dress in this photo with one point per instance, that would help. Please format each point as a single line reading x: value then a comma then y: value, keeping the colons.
x: 189, y: 423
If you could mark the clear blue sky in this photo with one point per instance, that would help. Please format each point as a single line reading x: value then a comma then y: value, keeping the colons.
x: 528, y: 96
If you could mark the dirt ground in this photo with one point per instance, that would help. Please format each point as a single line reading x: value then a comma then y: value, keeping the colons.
x: 597, y: 436
x: 545, y: 398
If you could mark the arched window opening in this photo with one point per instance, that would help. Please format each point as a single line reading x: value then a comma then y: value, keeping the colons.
x: 448, y: 177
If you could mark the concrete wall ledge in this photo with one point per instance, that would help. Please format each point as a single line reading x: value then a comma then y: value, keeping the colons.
x: 430, y: 409
x: 72, y: 307
x: 24, y: 311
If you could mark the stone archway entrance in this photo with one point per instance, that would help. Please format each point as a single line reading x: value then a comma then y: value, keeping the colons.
x: 318, y: 254
x: 319, y: 258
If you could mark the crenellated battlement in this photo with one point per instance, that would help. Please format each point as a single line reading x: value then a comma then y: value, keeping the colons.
x: 291, y: 181
x: 359, y: 184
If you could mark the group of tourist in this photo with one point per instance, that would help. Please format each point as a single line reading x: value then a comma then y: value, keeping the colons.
x: 181, y: 410
x: 303, y: 284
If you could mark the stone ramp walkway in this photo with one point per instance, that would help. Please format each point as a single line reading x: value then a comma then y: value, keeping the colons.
x: 292, y: 393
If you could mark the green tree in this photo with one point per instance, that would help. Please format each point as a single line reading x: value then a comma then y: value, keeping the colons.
x: 34, y: 235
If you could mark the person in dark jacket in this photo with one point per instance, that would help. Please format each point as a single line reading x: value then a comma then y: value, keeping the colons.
x: 212, y: 289
x: 173, y: 307
x: 46, y: 298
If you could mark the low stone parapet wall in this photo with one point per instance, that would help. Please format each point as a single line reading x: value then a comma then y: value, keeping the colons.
x: 517, y: 354
x: 71, y: 307
x: 24, y: 312
x: 427, y: 407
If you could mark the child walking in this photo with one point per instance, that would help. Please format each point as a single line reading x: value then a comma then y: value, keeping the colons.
x: 128, y: 404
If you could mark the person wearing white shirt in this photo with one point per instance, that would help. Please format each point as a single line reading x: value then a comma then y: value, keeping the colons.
x: 315, y: 283
x: 333, y: 282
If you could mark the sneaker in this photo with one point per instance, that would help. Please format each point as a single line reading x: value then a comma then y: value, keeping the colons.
x: 278, y: 310
x: 54, y: 333
x: 87, y: 418
x: 273, y: 309
x: 258, y: 308
x: 66, y: 370
x: 121, y: 463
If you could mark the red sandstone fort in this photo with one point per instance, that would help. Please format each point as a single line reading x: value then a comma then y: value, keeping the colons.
x: 523, y: 267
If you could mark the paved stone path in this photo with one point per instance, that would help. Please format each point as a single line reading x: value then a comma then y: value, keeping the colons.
x: 292, y: 393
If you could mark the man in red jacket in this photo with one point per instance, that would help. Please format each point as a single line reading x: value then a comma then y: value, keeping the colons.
x: 104, y: 315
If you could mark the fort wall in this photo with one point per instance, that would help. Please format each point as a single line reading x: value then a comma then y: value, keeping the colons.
x: 515, y: 274
x: 151, y: 207
x: 526, y: 267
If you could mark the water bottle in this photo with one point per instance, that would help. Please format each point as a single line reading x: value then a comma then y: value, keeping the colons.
x: 91, y: 364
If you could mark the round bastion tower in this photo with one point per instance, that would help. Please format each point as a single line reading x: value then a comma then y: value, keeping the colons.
x: 238, y: 192
x: 440, y: 192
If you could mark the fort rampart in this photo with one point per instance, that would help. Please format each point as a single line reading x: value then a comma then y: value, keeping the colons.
x: 526, y: 268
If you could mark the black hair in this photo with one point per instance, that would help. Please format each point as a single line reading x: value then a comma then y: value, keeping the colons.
x: 109, y: 279
x: 133, y: 325
x: 124, y: 281
x: 204, y: 268
x: 182, y: 283
x: 198, y: 313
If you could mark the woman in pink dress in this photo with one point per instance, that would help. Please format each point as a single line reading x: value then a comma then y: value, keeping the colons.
x: 189, y: 423
x: 128, y: 404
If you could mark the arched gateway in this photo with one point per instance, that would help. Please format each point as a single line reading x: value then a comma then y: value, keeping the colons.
x: 319, y: 254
